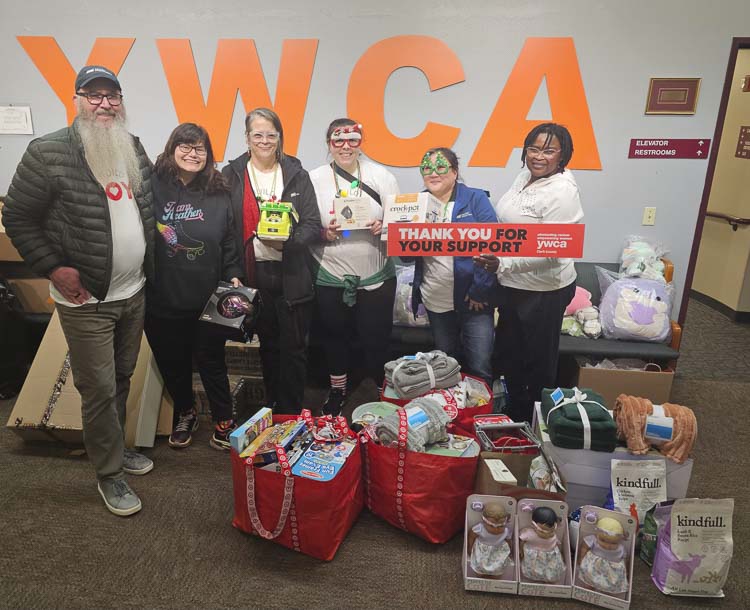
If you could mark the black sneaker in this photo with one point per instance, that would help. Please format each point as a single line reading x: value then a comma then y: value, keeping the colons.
x: 220, y: 438
x: 182, y: 433
x: 334, y: 404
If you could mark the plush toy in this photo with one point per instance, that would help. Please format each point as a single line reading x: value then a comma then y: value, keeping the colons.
x: 636, y: 309
x: 602, y: 558
x: 588, y: 318
x: 539, y: 546
x: 490, y: 549
x: 581, y: 300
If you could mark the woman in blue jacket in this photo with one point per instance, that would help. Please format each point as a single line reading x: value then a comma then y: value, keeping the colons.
x: 455, y: 292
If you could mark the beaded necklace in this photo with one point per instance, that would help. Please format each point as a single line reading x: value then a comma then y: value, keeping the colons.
x: 354, y: 185
x: 273, y: 184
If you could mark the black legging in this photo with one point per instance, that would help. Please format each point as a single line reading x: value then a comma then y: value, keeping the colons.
x: 372, y: 319
x: 527, y: 339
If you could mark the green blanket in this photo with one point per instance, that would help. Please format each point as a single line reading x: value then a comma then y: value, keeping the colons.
x: 566, y: 429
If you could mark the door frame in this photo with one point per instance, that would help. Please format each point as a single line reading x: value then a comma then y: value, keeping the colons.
x: 737, y: 44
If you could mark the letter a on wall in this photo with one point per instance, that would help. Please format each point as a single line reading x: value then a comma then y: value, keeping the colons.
x: 554, y: 59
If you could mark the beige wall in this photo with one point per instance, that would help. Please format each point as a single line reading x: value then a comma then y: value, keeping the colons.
x: 723, y: 270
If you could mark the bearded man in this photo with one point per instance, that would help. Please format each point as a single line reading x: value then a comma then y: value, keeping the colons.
x: 79, y: 211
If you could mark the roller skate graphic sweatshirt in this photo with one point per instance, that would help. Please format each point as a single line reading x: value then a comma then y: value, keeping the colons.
x: 195, y: 248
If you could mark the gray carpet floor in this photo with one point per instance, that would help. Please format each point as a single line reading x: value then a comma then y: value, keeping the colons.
x: 59, y: 547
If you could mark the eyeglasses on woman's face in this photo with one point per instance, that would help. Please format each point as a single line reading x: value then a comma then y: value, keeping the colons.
x: 186, y: 149
x: 547, y: 153
x: 260, y: 136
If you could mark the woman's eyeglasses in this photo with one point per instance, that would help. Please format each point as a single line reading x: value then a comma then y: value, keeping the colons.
x: 186, y: 149
x: 547, y: 153
x: 353, y: 142
x: 259, y: 136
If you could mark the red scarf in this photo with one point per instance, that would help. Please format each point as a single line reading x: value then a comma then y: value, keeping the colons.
x: 250, y: 218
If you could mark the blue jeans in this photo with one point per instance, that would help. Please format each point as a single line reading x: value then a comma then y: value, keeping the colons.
x: 468, y: 336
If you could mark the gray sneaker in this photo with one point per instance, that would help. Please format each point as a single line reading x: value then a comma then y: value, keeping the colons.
x: 136, y: 463
x: 119, y: 498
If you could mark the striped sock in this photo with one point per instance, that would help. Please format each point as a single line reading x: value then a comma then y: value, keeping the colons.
x: 338, y: 382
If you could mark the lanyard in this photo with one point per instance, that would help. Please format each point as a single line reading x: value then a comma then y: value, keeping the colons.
x: 355, y: 184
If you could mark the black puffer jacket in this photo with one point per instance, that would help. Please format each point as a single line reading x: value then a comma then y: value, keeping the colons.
x: 56, y: 213
x: 297, y: 278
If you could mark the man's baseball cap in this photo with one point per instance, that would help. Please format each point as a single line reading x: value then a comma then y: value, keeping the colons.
x: 89, y: 73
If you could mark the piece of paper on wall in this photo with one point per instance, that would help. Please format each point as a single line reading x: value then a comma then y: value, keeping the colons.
x: 16, y: 120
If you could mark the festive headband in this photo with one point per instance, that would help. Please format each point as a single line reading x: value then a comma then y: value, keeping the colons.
x: 348, y: 132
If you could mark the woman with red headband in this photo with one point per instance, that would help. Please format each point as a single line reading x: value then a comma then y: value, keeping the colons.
x: 355, y: 283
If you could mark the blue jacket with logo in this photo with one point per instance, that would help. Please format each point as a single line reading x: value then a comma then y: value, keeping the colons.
x: 472, y: 206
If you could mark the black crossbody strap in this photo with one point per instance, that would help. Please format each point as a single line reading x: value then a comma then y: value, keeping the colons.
x: 367, y: 189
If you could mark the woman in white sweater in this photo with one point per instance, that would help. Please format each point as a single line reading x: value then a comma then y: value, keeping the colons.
x: 535, y: 291
x: 355, y: 283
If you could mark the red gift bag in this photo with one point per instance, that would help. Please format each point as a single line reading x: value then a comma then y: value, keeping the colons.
x: 462, y: 420
x: 421, y: 493
x: 312, y: 517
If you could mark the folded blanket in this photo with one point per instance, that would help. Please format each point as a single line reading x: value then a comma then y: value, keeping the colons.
x: 631, y: 413
x: 412, y: 376
x: 566, y: 427
x: 426, y: 420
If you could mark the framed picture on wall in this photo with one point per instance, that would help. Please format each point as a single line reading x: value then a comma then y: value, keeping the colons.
x: 673, y: 95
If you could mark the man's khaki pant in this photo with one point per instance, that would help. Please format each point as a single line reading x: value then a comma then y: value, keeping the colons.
x: 104, y: 340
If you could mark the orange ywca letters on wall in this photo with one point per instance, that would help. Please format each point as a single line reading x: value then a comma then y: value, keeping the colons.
x: 237, y: 68
x: 554, y: 59
x: 50, y: 60
x: 365, y: 96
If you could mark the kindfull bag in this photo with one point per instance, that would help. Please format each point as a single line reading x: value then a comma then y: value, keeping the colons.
x: 418, y: 492
x: 312, y: 517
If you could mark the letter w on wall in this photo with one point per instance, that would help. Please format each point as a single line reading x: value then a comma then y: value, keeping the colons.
x: 237, y: 68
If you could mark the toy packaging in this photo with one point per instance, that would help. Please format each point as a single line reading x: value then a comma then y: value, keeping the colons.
x: 352, y: 212
x: 455, y: 446
x: 263, y: 449
x: 275, y: 221
x: 694, y: 548
x: 249, y: 431
x: 490, y: 558
x: 322, y: 461
x: 543, y: 548
x: 230, y: 306
x: 603, y: 572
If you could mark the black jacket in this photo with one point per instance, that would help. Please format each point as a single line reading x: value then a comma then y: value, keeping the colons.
x: 56, y: 212
x: 297, y: 280
x: 195, y: 247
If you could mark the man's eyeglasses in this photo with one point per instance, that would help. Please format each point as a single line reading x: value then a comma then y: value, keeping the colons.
x: 186, y: 149
x: 114, y: 99
x: 259, y: 136
x: 547, y: 153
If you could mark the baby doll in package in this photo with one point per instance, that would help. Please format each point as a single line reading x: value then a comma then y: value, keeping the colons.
x: 603, y: 558
x: 490, y: 549
x: 541, y: 560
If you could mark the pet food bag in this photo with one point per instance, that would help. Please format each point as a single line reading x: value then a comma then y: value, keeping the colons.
x: 308, y: 516
x: 653, y: 523
x: 637, y: 485
x: 420, y: 493
x: 694, y: 549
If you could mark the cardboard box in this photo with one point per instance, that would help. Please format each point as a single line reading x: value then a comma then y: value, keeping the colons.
x: 473, y: 581
x: 564, y: 588
x: 586, y: 593
x: 409, y: 207
x: 587, y: 473
x: 48, y: 408
x: 353, y: 212
x: 32, y: 294
x: 243, y: 358
x: 517, y: 464
x: 654, y: 385
x: 8, y: 253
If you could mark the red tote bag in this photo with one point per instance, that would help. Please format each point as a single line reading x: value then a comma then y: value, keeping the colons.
x: 421, y: 493
x: 311, y: 517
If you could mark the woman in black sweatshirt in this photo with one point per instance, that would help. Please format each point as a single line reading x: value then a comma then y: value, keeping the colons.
x: 195, y: 249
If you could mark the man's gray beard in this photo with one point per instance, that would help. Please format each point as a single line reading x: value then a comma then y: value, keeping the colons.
x: 110, y: 150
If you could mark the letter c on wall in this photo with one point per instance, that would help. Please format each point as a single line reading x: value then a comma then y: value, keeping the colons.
x: 366, y: 95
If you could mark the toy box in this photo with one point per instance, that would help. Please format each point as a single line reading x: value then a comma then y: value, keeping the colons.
x: 263, y: 449
x: 591, y: 562
x: 275, y: 221
x: 409, y: 208
x: 563, y: 587
x: 250, y: 430
x: 507, y: 581
x: 322, y: 461
x: 228, y: 306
